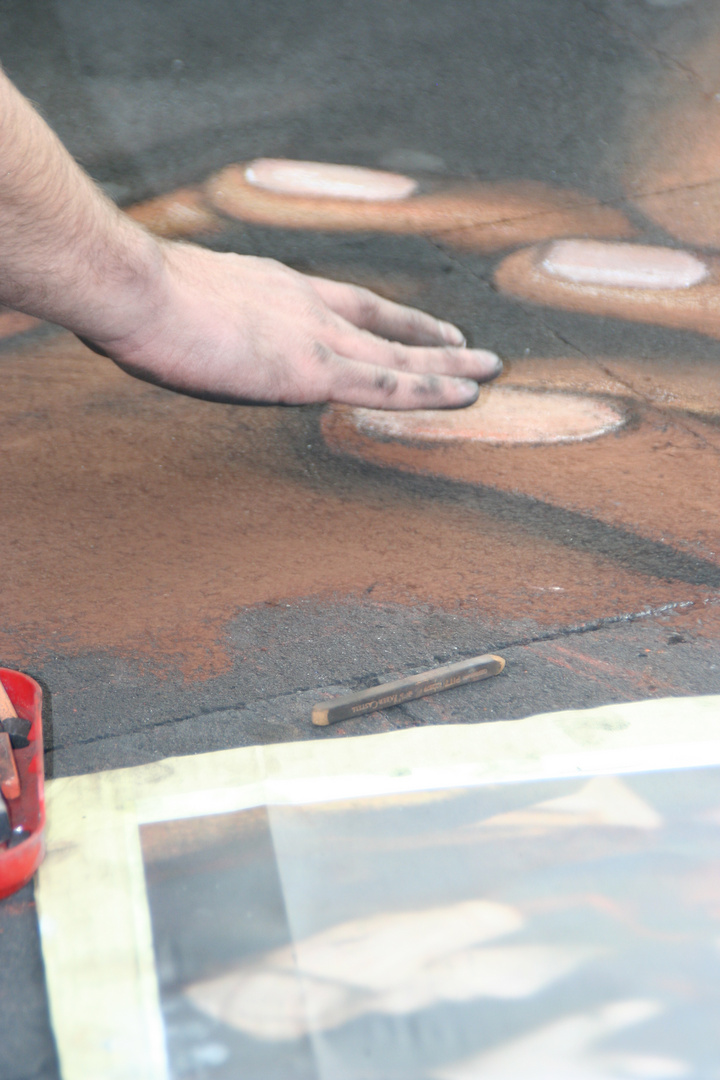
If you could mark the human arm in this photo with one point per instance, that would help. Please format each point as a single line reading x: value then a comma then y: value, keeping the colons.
x: 222, y: 326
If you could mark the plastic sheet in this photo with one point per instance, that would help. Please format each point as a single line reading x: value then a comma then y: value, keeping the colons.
x: 448, y: 902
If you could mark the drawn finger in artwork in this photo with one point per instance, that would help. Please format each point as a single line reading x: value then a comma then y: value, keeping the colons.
x: 476, y: 216
x: 638, y: 282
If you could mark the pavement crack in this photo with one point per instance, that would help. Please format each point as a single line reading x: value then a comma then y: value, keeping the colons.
x: 238, y: 706
x: 684, y: 425
x: 595, y: 624
x: 370, y: 679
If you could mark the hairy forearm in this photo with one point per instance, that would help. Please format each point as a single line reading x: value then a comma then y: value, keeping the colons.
x: 67, y: 254
x: 222, y: 326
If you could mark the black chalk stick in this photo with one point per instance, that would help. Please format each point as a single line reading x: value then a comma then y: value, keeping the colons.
x: 5, y: 826
x: 18, y: 730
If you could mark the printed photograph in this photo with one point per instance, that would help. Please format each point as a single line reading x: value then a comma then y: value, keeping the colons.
x: 446, y: 935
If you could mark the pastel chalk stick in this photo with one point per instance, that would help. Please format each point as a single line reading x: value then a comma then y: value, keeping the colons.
x: 415, y: 686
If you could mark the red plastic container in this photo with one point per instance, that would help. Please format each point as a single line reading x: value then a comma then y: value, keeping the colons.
x: 18, y: 864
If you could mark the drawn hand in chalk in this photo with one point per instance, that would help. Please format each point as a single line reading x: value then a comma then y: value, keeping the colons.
x: 237, y: 328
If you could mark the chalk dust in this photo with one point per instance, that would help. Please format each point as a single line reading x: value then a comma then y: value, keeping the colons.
x: 506, y: 414
x: 659, y: 476
x: 139, y: 522
x: 15, y: 322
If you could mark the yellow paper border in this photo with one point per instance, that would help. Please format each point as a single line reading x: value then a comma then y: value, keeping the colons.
x: 94, y: 916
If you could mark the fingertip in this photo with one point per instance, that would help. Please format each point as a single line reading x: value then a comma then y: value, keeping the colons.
x: 495, y: 365
x: 469, y: 392
x: 453, y: 335
x: 483, y: 366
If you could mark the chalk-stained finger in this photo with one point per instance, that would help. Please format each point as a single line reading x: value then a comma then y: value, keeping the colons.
x: 477, y: 364
x: 351, y: 382
x: 395, y: 322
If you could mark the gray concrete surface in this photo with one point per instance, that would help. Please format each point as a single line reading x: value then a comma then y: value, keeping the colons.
x: 152, y: 96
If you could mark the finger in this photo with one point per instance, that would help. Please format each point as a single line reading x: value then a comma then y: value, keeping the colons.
x: 368, y: 311
x: 352, y: 382
x: 477, y: 364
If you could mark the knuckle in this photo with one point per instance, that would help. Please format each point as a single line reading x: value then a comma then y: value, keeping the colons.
x: 322, y: 354
x: 366, y: 304
x: 275, y: 267
x: 317, y: 313
x: 401, y: 360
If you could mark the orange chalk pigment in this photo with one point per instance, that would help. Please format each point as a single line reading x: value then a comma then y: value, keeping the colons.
x: 141, y: 523
x: 503, y: 414
x: 479, y: 217
x: 656, y: 476
x: 672, y: 384
x: 15, y: 322
x: 180, y: 214
x: 673, y: 144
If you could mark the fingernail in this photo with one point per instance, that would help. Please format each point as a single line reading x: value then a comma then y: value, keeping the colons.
x: 635, y: 266
x: 494, y: 364
x: 453, y: 336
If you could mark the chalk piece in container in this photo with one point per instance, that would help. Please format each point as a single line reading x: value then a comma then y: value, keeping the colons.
x: 17, y: 728
x: 5, y: 826
x: 9, y: 779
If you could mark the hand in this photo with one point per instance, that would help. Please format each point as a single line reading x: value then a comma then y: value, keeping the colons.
x: 236, y: 328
